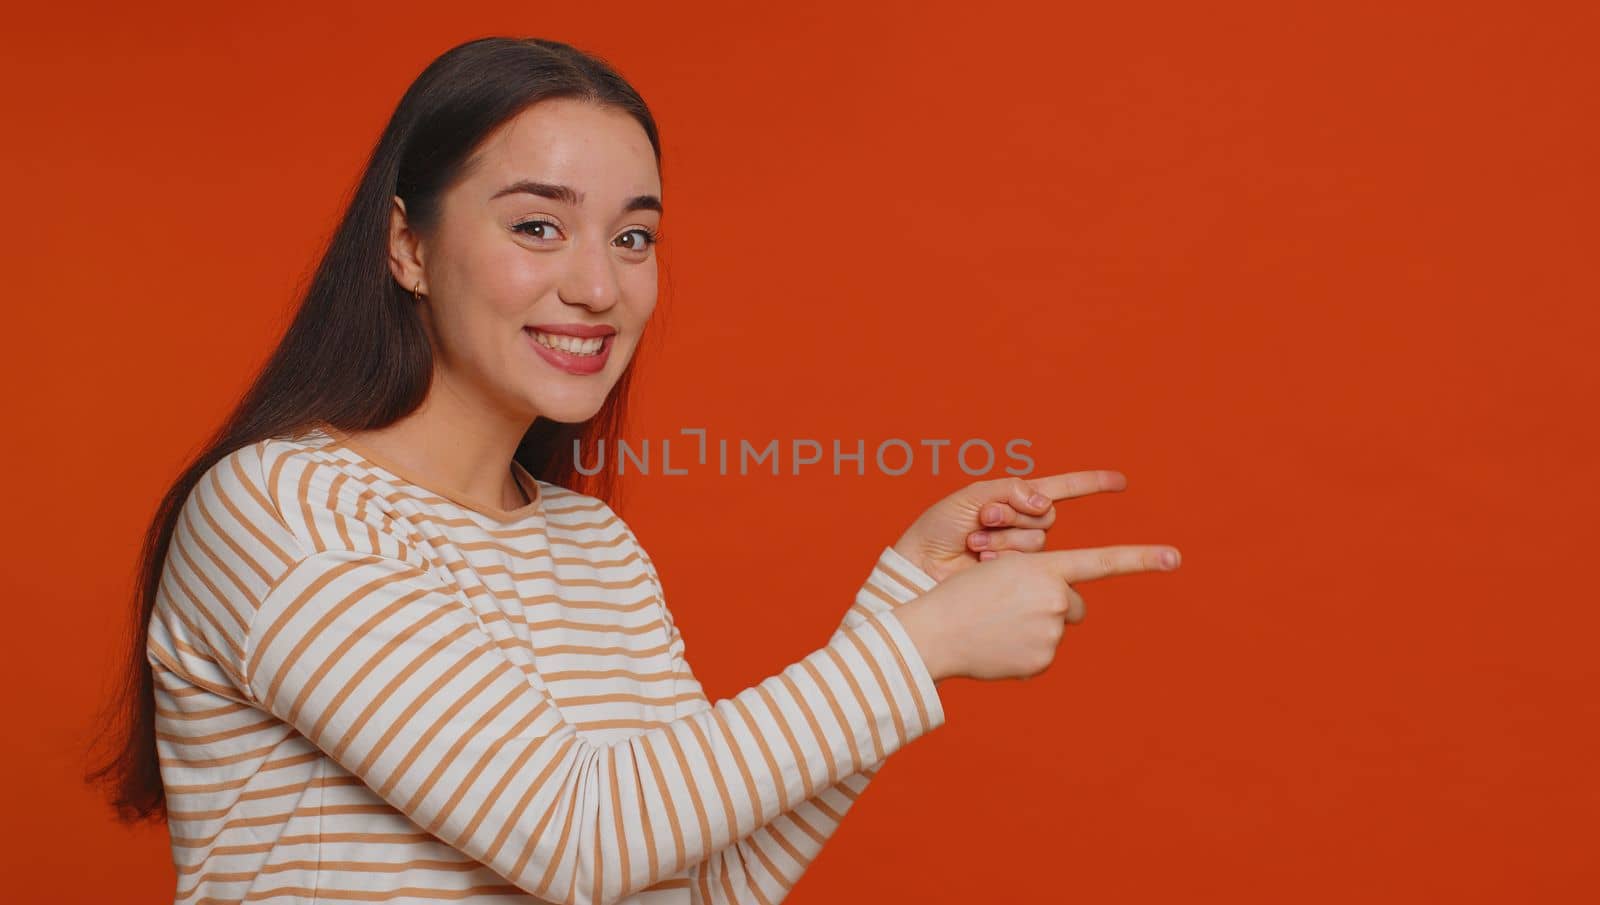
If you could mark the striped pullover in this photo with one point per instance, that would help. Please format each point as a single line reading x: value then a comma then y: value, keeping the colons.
x: 369, y: 690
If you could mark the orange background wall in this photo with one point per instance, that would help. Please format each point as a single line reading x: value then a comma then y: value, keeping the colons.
x: 1320, y: 281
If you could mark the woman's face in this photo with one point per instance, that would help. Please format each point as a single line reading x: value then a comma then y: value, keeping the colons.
x: 541, y: 273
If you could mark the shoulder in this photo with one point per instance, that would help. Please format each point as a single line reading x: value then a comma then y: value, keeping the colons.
x: 589, y: 527
x: 569, y: 511
x: 562, y: 501
x: 274, y: 517
x: 229, y: 548
x: 297, y: 496
x: 230, y: 520
x: 334, y: 501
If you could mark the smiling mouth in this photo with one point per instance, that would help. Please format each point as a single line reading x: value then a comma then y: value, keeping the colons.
x: 572, y: 345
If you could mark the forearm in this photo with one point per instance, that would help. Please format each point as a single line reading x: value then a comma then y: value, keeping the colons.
x: 765, y: 865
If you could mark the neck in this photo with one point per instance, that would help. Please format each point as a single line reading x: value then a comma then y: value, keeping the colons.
x: 457, y: 444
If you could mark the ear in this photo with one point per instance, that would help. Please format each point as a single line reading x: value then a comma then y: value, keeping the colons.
x: 405, y: 249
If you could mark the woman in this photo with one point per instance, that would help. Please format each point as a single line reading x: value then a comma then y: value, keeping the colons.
x: 387, y: 650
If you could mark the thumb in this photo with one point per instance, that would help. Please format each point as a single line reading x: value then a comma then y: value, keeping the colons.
x: 1025, y: 497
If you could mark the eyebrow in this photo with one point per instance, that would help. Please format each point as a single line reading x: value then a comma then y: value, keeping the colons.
x: 567, y: 195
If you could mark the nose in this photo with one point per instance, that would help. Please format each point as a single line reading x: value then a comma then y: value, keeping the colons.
x: 591, y: 279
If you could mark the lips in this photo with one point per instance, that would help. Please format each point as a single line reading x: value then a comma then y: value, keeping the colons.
x: 573, y: 362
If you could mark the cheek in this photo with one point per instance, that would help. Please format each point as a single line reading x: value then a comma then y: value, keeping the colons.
x: 639, y: 290
x: 502, y: 282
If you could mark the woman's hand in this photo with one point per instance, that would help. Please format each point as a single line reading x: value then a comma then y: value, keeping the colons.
x: 1005, y: 619
x: 986, y: 518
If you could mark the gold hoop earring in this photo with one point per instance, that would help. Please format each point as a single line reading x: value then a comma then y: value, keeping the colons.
x: 416, y: 291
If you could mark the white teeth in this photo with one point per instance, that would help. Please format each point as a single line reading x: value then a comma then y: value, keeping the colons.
x: 570, y: 344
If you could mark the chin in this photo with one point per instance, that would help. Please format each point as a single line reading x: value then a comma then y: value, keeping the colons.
x: 568, y: 411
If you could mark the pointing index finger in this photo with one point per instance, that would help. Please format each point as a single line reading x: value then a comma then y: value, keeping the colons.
x: 1101, y: 562
x: 1078, y: 483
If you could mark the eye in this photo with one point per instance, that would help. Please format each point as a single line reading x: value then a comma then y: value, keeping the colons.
x: 527, y: 228
x: 649, y: 240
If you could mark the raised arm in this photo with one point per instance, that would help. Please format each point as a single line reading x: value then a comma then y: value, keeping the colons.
x: 374, y: 661
x: 765, y: 865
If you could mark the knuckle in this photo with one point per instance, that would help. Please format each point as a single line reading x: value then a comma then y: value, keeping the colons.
x: 1106, y: 561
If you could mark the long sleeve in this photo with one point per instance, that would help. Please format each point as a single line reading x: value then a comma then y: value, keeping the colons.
x: 765, y: 865
x: 374, y: 661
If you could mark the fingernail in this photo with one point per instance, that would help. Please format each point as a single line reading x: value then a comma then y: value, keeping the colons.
x: 980, y: 539
x: 1038, y: 501
x: 1169, y: 559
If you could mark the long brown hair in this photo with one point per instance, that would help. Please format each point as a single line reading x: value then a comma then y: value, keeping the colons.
x: 356, y: 355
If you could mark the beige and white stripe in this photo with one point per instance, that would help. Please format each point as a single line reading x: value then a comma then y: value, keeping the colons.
x: 367, y: 691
